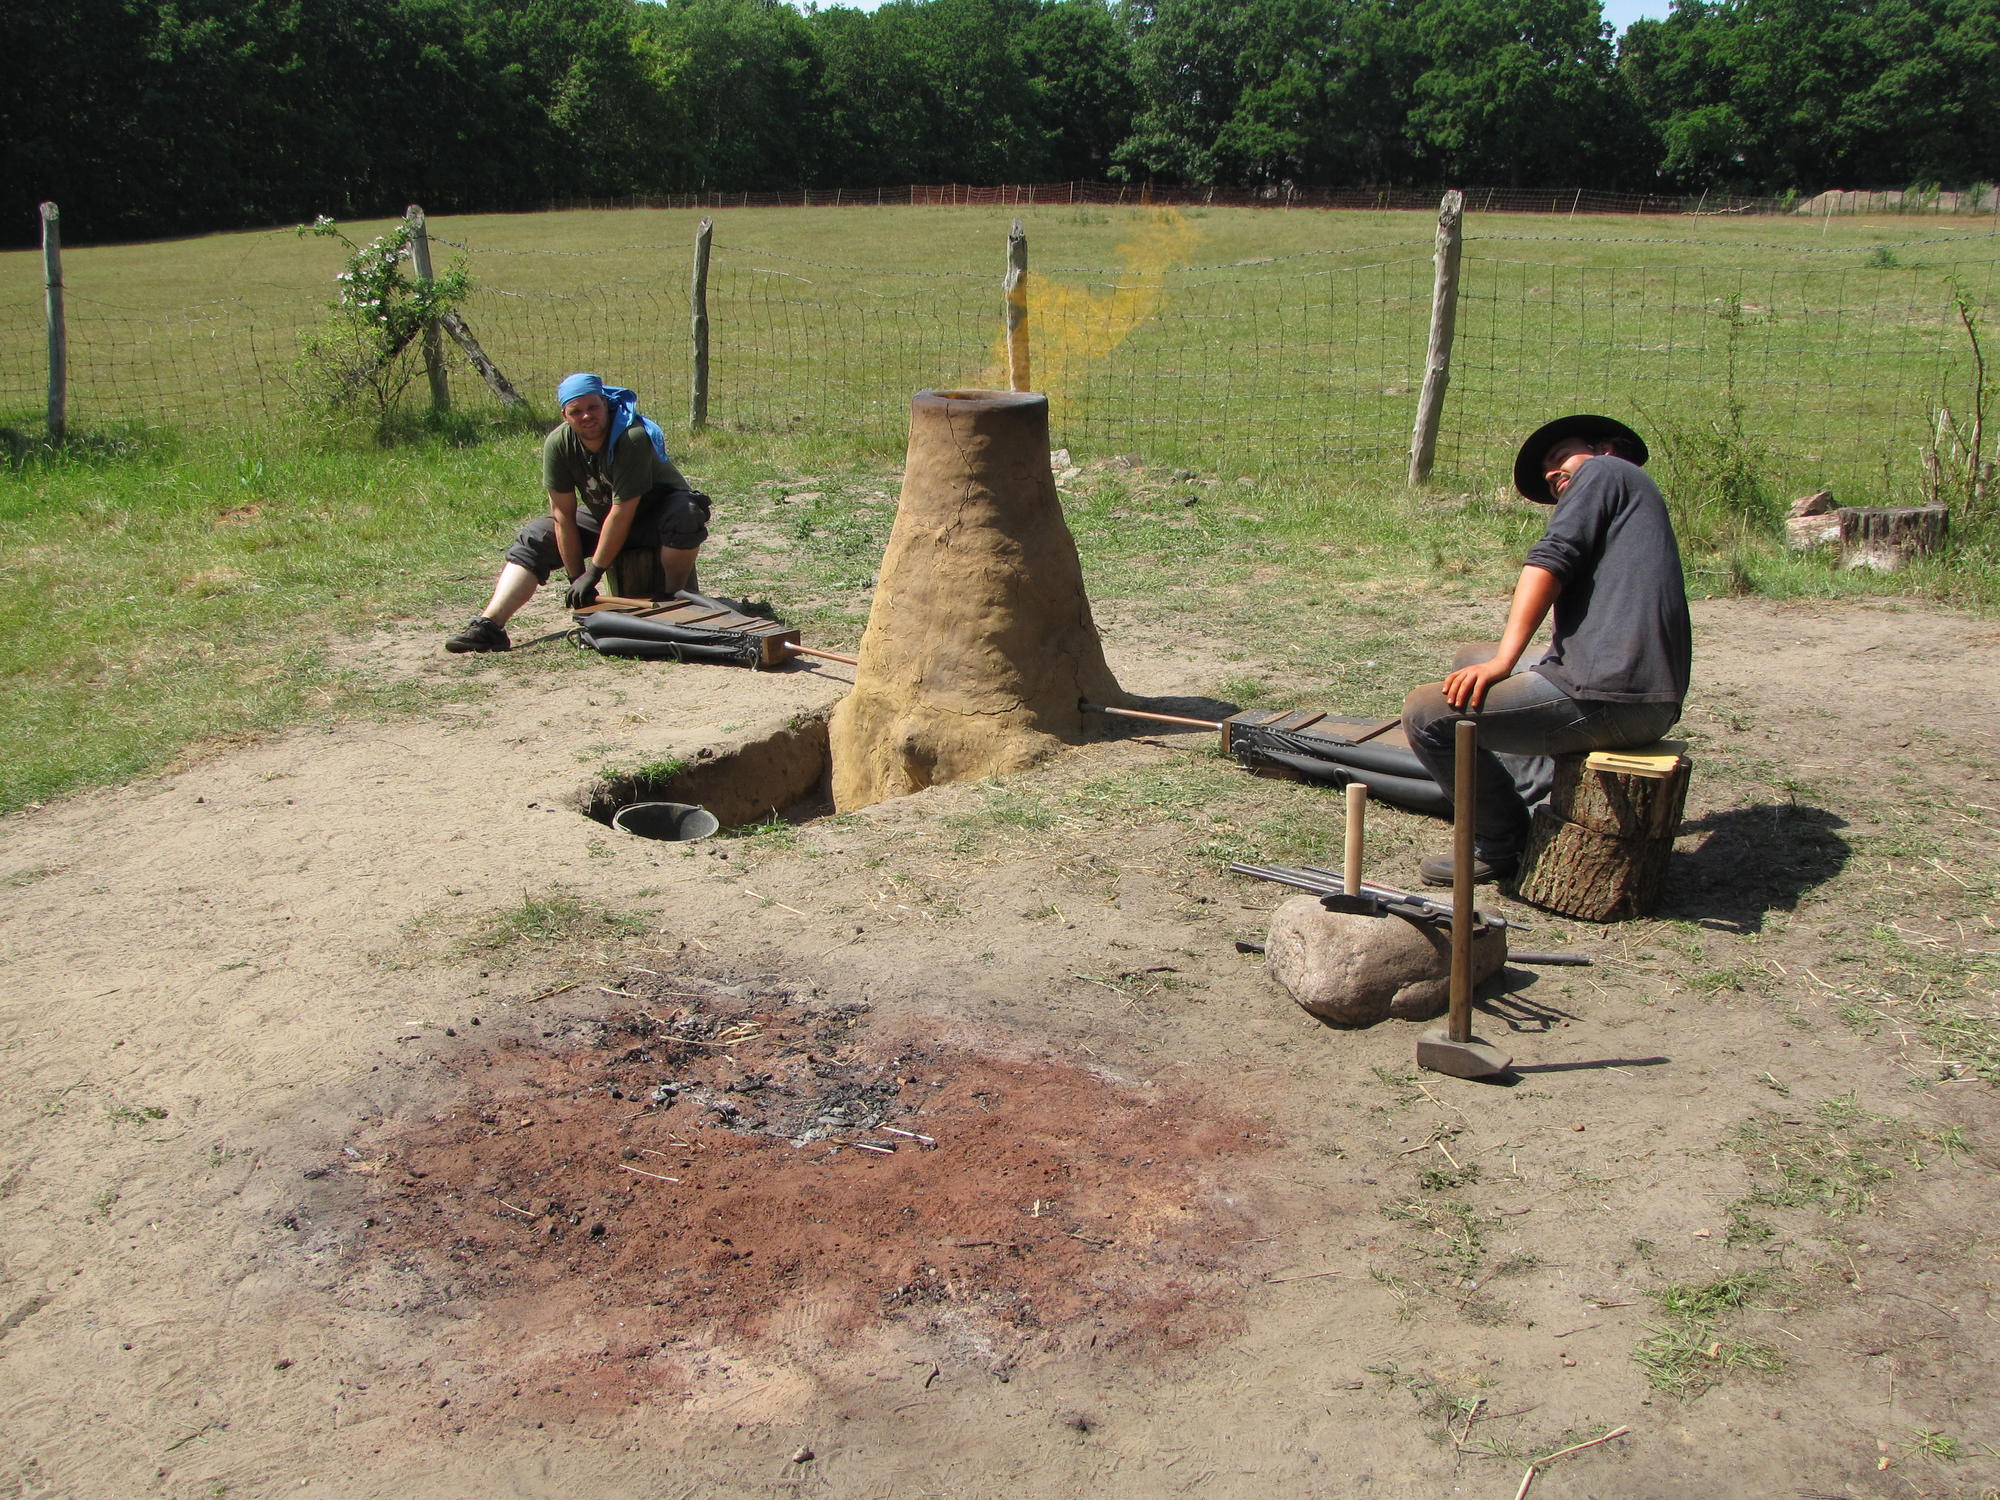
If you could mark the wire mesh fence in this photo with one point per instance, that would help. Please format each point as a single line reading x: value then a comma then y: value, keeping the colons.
x: 1816, y: 368
x: 1819, y: 375
x: 1982, y: 200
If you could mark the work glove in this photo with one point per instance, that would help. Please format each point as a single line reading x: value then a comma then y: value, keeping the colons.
x: 583, y: 587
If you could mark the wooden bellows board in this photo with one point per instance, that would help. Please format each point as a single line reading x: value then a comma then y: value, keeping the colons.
x: 1308, y: 726
x: 776, y: 643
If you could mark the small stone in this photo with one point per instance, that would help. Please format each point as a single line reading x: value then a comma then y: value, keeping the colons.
x: 802, y: 1456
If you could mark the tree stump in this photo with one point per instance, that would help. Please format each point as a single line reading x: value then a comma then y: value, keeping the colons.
x: 979, y: 644
x: 1886, y: 537
x: 1598, y: 849
x: 636, y: 574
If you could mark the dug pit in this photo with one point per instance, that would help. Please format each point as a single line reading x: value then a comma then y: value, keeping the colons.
x: 782, y: 775
x: 760, y: 1170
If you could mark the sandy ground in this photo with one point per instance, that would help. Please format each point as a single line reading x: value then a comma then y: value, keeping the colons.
x: 245, y: 1045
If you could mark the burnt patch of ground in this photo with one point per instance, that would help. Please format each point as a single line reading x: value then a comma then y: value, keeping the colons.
x: 714, y: 1165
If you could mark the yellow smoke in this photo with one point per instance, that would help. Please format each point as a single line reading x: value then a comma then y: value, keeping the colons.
x: 1072, y: 326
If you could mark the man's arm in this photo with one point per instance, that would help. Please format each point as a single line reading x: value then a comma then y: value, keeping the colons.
x: 611, y: 536
x: 569, y: 540
x: 1534, y: 594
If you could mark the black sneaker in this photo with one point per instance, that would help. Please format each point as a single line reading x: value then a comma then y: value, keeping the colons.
x: 1437, y: 870
x: 481, y: 635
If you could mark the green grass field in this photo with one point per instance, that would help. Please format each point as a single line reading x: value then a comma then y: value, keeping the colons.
x: 1259, y: 339
x: 190, y: 566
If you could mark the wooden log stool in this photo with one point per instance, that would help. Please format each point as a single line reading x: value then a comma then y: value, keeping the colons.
x: 636, y: 575
x: 1598, y: 848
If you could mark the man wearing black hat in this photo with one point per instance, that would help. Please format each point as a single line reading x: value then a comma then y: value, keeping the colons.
x: 1617, y: 666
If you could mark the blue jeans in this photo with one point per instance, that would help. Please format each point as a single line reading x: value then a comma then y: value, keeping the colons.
x: 1525, y: 722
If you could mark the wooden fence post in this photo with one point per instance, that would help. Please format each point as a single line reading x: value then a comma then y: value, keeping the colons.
x: 1017, y: 309
x: 698, y: 340
x: 1444, y: 322
x: 420, y: 262
x: 52, y: 285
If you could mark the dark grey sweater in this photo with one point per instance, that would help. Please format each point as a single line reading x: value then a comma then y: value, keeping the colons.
x: 1621, y: 620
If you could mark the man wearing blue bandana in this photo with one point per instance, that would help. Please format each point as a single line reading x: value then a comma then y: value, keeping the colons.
x: 611, y: 486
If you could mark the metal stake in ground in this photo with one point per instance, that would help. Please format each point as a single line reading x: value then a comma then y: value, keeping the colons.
x: 1453, y: 1048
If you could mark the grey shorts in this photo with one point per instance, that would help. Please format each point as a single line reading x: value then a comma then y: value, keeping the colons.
x: 666, y: 518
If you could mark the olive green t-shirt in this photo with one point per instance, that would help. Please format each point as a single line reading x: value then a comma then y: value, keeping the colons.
x: 636, y: 469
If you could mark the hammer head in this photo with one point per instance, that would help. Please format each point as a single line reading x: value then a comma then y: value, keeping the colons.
x: 1471, y: 1058
x: 1354, y: 906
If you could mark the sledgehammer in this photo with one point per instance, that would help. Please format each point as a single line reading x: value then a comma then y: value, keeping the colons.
x: 1452, y: 1048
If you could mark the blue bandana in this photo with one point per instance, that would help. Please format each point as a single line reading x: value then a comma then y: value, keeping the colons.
x: 577, y: 385
x: 624, y: 407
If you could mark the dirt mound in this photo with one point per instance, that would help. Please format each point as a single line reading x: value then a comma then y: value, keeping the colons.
x: 720, y: 1164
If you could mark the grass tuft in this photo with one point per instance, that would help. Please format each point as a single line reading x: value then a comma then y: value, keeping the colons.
x: 558, y: 918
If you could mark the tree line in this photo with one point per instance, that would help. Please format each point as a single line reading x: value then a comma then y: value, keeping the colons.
x: 149, y: 117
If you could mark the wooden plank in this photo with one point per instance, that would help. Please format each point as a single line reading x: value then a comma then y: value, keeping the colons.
x: 1380, y: 729
x: 1661, y: 758
x: 776, y: 650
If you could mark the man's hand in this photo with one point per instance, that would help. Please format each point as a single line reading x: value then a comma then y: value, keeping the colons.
x: 583, y: 587
x: 1465, y: 689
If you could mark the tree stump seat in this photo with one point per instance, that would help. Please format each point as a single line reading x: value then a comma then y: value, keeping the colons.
x: 636, y: 575
x: 1598, y: 848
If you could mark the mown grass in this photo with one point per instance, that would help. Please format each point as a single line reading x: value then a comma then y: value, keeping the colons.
x: 1692, y: 1351
x: 1764, y: 354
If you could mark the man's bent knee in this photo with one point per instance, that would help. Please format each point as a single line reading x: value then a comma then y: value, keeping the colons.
x: 1425, y: 706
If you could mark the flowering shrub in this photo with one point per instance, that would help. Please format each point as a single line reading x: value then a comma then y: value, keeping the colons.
x: 363, y: 352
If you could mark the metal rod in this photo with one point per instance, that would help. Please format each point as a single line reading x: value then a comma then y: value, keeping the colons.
x: 1577, y: 959
x: 1138, y: 713
x: 798, y: 650
x: 1463, y: 800
x: 1443, y: 908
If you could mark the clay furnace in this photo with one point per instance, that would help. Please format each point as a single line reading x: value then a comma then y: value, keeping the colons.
x: 980, y: 642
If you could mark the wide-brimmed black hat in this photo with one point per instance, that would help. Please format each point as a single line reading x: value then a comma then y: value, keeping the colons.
x: 1529, y: 477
